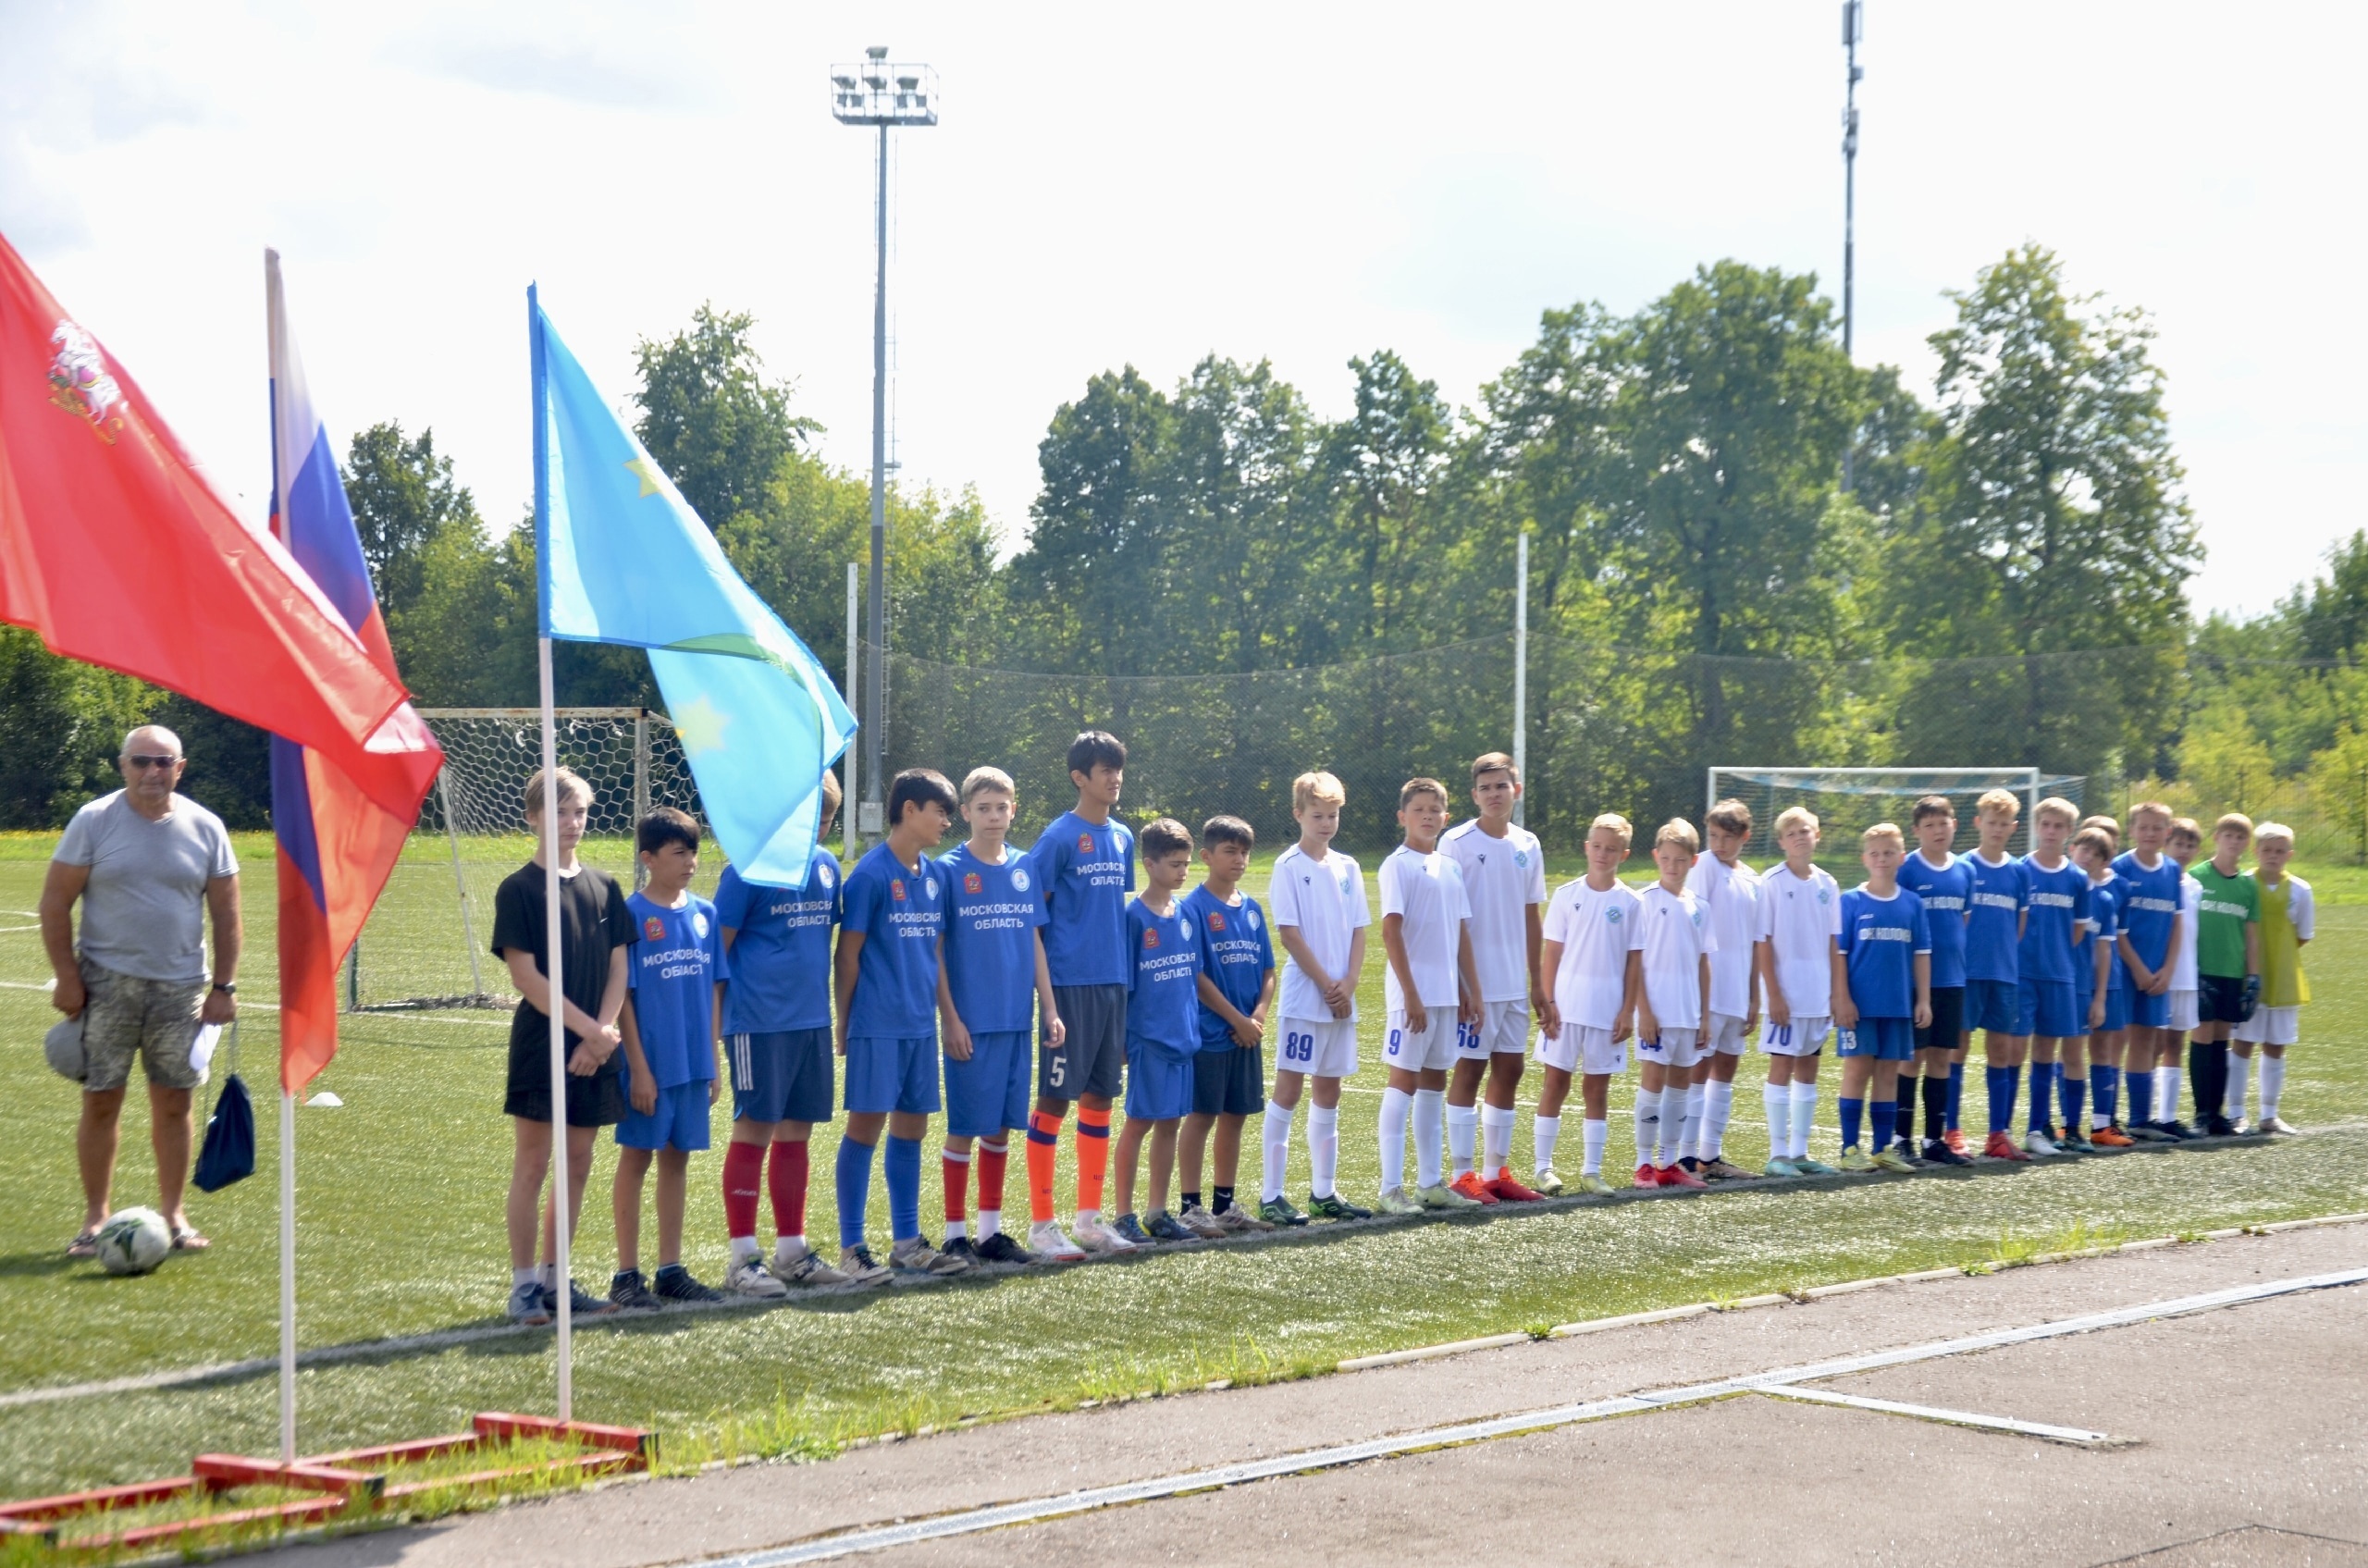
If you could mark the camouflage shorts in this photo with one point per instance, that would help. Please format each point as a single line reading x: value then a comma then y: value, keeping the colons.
x: 126, y: 1016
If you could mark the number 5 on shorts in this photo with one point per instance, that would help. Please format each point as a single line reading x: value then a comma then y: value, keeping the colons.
x: 1056, y: 1070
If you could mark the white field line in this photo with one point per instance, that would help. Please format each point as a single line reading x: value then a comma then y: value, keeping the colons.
x: 1039, y: 1509
x: 2078, y: 1436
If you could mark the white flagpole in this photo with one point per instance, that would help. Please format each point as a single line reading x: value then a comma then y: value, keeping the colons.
x: 553, y: 968
x: 275, y: 333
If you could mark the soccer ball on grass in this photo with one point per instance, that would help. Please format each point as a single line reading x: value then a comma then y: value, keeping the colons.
x: 133, y: 1242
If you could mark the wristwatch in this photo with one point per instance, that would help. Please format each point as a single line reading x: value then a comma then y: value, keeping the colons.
x: 228, y: 987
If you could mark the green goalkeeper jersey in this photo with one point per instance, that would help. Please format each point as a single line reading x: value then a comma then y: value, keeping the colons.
x: 2230, y: 903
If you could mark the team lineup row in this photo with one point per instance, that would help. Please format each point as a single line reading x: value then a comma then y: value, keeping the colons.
x: 1003, y: 989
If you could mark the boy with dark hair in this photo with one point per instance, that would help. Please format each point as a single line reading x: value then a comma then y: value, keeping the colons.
x: 2227, y: 961
x: 777, y: 1045
x: 1084, y: 867
x: 595, y: 930
x: 887, y: 977
x: 674, y: 1043
x: 991, y: 982
x: 1163, y: 1028
x: 1432, y: 992
x: 2100, y: 1003
x: 1730, y: 890
x: 1944, y: 882
x: 1236, y: 988
x: 1504, y: 880
x: 1883, y: 994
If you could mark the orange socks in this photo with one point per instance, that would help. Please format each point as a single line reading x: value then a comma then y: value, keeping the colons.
x: 1043, y: 1149
x: 1093, y: 1157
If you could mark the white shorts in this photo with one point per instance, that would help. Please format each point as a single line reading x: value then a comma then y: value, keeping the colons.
x: 1504, y: 1025
x: 1579, y: 1049
x: 1728, y: 1037
x: 1434, y: 1048
x: 1322, y: 1048
x: 2271, y: 1026
x: 2183, y: 1012
x: 1802, y: 1037
x: 1675, y: 1048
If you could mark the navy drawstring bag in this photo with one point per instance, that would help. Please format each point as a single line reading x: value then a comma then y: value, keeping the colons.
x: 229, y: 1152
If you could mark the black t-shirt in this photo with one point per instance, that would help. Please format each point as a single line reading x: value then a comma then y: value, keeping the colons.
x: 593, y: 922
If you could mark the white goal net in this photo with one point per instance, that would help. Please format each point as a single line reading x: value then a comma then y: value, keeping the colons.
x: 1849, y: 801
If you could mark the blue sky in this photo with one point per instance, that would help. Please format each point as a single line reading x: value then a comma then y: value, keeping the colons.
x: 1128, y: 184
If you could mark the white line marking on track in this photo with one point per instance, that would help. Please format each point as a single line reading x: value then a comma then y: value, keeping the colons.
x: 1036, y: 1511
x: 2078, y: 1436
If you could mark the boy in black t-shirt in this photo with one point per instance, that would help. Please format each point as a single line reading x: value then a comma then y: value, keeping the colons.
x: 595, y: 930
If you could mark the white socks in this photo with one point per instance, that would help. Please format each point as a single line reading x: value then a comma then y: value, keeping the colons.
x: 1277, y: 1140
x: 1430, y: 1111
x: 1803, y: 1118
x: 1396, y: 1105
x: 2273, y: 1085
x: 1597, y: 1134
x: 1462, y: 1126
x: 2167, y: 1094
x: 2240, y: 1072
x: 1648, y: 1124
x: 1548, y: 1128
x: 990, y: 1223
x: 1777, y: 1099
x: 1496, y: 1139
x: 1718, y: 1106
x: 743, y: 1247
x: 1323, y: 1148
x: 788, y: 1250
x: 1677, y: 1131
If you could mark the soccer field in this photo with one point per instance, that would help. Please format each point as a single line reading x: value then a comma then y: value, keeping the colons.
x: 400, y: 1235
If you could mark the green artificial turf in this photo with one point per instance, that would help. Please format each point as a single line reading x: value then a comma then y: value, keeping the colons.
x: 400, y: 1233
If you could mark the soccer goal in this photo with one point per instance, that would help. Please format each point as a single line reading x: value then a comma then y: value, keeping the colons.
x: 427, y: 942
x: 1849, y: 801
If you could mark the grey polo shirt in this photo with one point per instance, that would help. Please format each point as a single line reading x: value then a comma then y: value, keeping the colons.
x: 143, y: 909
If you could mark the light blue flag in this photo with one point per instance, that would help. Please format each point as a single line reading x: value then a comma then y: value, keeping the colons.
x: 623, y: 559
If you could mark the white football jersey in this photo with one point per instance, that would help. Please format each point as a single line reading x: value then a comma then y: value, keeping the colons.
x: 1598, y: 930
x: 1427, y: 892
x: 1733, y: 895
x: 1799, y: 917
x: 1677, y: 937
x: 1326, y: 899
x: 1503, y: 877
x: 2191, y: 919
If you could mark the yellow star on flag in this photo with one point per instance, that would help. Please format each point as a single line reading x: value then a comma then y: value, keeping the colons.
x: 700, y: 728
x: 646, y: 472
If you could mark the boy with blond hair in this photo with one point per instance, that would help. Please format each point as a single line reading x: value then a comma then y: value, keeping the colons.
x: 1673, y: 1009
x: 1504, y: 879
x: 1433, y: 993
x: 2228, y: 956
x: 2149, y: 947
x: 2047, y: 998
x: 1730, y: 890
x: 1999, y: 904
x: 1944, y: 881
x: 1883, y: 995
x: 1800, y: 971
x: 1592, y: 962
x: 1318, y: 898
x: 2288, y: 920
x: 2181, y: 845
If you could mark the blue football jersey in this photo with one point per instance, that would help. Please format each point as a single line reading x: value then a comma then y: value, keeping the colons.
x: 781, y: 951
x: 1085, y: 871
x: 1879, y: 940
x: 1163, y: 981
x: 1945, y: 890
x: 901, y: 912
x: 677, y: 958
x: 1997, y: 897
x: 1237, y: 954
x: 2059, y: 910
x: 2150, y: 905
x: 991, y: 915
x: 2104, y: 926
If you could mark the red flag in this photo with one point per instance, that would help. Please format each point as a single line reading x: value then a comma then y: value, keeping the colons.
x: 113, y: 548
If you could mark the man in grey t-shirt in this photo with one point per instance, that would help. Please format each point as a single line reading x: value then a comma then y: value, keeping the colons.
x: 147, y: 866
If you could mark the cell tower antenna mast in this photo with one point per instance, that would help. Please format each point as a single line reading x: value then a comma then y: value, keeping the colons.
x: 1854, y: 28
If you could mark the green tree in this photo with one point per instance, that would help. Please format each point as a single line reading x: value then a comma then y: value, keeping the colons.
x: 61, y: 725
x: 708, y: 415
x: 403, y: 495
x: 2328, y: 616
x: 1385, y: 463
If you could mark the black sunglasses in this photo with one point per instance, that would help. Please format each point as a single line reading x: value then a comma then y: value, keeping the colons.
x: 141, y: 760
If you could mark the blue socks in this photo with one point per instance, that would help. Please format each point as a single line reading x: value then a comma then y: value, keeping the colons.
x: 2042, y: 1090
x: 1853, y: 1111
x: 1886, y: 1118
x: 2073, y: 1095
x: 854, y: 1190
x: 904, y: 1187
x: 2002, y: 1095
x: 1956, y: 1091
x: 2104, y: 1093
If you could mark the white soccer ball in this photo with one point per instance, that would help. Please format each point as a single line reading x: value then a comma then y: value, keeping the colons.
x: 133, y: 1242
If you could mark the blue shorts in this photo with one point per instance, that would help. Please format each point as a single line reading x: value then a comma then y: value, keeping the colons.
x: 781, y: 1077
x: 989, y: 1092
x: 1992, y: 1005
x: 2051, y: 1011
x: 2117, y: 1009
x: 2147, y: 1011
x: 892, y: 1075
x: 1886, y: 1040
x: 1159, y: 1082
x: 679, y: 1122
x: 1230, y: 1082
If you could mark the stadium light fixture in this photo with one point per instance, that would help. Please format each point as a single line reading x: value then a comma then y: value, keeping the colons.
x: 877, y: 93
x: 1854, y: 28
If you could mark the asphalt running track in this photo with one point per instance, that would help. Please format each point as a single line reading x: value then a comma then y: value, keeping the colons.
x: 2233, y: 1433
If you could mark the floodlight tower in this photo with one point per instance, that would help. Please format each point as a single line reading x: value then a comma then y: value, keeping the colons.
x: 879, y: 93
x: 1854, y: 28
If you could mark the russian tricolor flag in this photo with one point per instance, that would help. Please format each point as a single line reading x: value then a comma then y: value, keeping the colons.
x: 340, y: 836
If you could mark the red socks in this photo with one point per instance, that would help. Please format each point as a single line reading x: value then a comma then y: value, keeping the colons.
x: 958, y: 1182
x: 1092, y: 1157
x: 1043, y: 1149
x: 991, y: 1159
x: 788, y: 1179
x: 744, y: 1173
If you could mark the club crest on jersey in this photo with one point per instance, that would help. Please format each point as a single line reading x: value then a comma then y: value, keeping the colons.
x: 698, y: 923
x: 1185, y: 927
x: 931, y: 886
x: 81, y: 383
x: 973, y: 883
x: 1151, y: 938
x: 1521, y: 859
x: 1085, y: 843
x: 654, y: 929
x: 1611, y: 916
x: 828, y: 872
x: 896, y: 889
x: 1216, y: 920
x: 1019, y: 879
